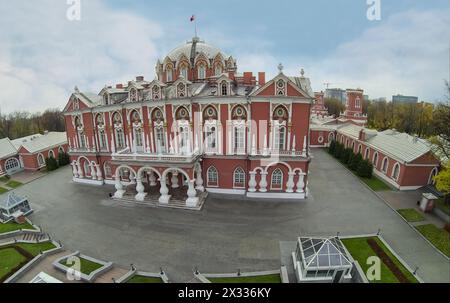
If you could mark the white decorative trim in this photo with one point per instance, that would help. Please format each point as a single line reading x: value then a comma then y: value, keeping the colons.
x: 298, y: 196
x: 88, y: 181
x: 226, y: 191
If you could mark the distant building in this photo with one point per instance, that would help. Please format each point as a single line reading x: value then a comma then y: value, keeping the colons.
x: 380, y: 99
x: 336, y: 93
x: 405, y: 99
x: 366, y: 97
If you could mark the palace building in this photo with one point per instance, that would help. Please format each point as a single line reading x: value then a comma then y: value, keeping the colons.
x: 198, y: 127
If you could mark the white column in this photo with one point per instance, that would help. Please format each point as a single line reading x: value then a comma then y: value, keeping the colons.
x: 265, y: 150
x: 290, y: 183
x: 93, y: 171
x: 192, y: 199
x: 164, y: 191
x: 254, y: 150
x: 152, y: 179
x: 74, y: 169
x: 301, y: 183
x: 252, y: 182
x: 140, y: 189
x: 304, y: 147
x: 263, y: 182
x: 174, y: 180
x: 119, y: 188
x: 99, y: 173
x: 199, y: 181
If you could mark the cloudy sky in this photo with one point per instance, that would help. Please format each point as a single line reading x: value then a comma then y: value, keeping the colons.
x: 43, y: 54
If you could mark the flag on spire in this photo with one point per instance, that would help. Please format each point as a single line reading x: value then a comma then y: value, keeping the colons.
x: 192, y: 18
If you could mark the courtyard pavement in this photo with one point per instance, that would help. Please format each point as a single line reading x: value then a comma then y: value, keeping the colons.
x: 229, y: 233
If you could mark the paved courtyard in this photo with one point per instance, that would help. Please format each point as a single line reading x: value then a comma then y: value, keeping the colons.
x: 229, y: 233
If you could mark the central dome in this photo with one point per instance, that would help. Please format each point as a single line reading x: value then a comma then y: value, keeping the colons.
x: 200, y: 47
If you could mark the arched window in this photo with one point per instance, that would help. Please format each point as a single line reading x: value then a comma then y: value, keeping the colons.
x: 51, y: 154
x: 218, y: 70
x: 358, y: 103
x: 353, y: 146
x: 12, y: 164
x: 384, y: 166
x: 366, y: 153
x: 396, y: 171
x: 61, y: 150
x: 87, y: 169
x: 102, y: 139
x: 375, y: 159
x: 239, y: 178
x: 433, y: 174
x: 120, y: 138
x: 201, y: 72
x: 212, y: 177
x: 108, y: 170
x: 184, y: 72
x: 330, y: 137
x: 169, y: 75
x: 137, y: 132
x: 277, y: 179
x: 359, y: 149
x: 280, y: 137
x: 40, y: 160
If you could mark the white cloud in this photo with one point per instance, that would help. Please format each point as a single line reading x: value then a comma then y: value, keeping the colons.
x: 407, y: 53
x: 43, y: 55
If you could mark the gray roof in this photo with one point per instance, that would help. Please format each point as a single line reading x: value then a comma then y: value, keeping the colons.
x: 19, y: 142
x: 7, y: 148
x: 11, y: 200
x: 400, y: 146
x: 44, y: 142
x: 201, y: 47
x: 321, y: 253
x: 304, y: 83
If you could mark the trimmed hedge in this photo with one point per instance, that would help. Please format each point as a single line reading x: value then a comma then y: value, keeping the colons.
x: 63, y: 159
x: 362, y: 167
x: 51, y: 164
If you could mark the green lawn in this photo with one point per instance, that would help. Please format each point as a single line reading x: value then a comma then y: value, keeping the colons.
x: 5, y: 178
x: 375, y: 184
x: 411, y: 215
x: 3, y: 190
x: 14, y: 184
x: 142, y: 279
x: 439, y: 237
x: 361, y: 251
x: 36, y: 248
x: 86, y: 266
x: 9, y: 259
x: 442, y: 206
x: 255, y: 279
x: 7, y: 227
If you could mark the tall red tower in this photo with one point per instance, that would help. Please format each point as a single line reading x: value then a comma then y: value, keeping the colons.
x: 354, y: 107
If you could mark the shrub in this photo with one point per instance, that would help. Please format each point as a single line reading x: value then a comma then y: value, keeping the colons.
x: 338, y: 150
x: 63, y: 159
x: 51, y: 164
x: 365, y: 169
x: 332, y: 147
x: 346, y: 155
x: 355, y: 162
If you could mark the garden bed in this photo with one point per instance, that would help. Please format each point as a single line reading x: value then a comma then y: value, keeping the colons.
x: 14, y: 256
x: 440, y: 238
x: 3, y: 190
x: 14, y: 184
x: 441, y: 205
x: 86, y: 266
x: 411, y: 215
x: 12, y: 226
x: 144, y: 280
x: 274, y: 278
x: 361, y: 250
x: 376, y: 184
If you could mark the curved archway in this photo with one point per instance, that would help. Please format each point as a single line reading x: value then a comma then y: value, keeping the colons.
x: 396, y: 171
x: 147, y: 168
x: 266, y: 169
x: 212, y: 176
x: 433, y: 174
x: 51, y: 154
x: 239, y: 177
x: 12, y: 164
x: 40, y: 160
x: 171, y: 169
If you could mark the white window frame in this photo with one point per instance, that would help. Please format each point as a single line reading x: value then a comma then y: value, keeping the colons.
x: 160, y: 138
x: 375, y: 163
x: 239, y: 170
x: 279, y: 140
x: 393, y: 171
x: 52, y: 153
x: 367, y: 153
x: 169, y: 75
x: 201, y: 72
x: 385, y: 169
x: 15, y: 166
x: 137, y: 133
x: 239, y: 142
x: 281, y: 180
x: 120, y: 138
x: 211, y: 137
x: 40, y: 160
x: 102, y: 139
x: 212, y: 172
x: 183, y: 137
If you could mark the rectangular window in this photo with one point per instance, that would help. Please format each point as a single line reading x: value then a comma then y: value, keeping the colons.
x: 159, y: 135
x: 239, y: 140
x: 102, y: 139
x: 120, y: 140
x: 280, y: 138
x: 138, y: 137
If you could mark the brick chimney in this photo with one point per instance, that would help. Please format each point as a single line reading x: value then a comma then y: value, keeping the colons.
x: 120, y: 85
x: 261, y: 78
x: 248, y: 78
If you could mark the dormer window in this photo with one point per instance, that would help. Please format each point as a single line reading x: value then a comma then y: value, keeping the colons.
x: 105, y: 99
x: 281, y: 88
x: 202, y: 72
x: 218, y: 70
x: 224, y: 88
x: 184, y: 72
x: 169, y: 75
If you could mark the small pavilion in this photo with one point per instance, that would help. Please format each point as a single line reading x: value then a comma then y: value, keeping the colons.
x: 14, y: 208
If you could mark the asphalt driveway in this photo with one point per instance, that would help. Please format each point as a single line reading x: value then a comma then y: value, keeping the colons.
x: 229, y: 233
